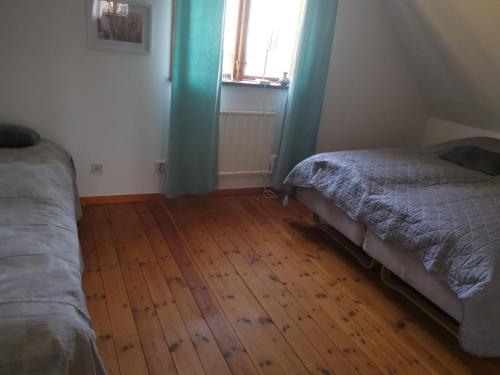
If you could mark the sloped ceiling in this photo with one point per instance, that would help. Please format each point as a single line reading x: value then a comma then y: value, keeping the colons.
x: 453, y: 47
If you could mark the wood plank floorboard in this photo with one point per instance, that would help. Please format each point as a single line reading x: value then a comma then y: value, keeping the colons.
x: 243, y: 285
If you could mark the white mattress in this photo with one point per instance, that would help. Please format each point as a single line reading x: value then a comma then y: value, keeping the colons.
x: 397, y: 261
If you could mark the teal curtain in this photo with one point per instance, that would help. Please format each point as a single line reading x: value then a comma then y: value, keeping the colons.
x: 195, y: 100
x: 305, y: 102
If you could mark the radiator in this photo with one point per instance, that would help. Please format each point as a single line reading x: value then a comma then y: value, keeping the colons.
x: 246, y: 142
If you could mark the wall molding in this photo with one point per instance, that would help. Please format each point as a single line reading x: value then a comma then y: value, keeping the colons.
x: 134, y: 198
x: 128, y: 198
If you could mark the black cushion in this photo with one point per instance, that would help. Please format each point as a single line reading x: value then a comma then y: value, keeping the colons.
x: 474, y: 158
x: 15, y: 136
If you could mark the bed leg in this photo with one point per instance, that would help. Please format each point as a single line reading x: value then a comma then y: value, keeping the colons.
x: 359, y: 254
x: 316, y: 219
x: 440, y: 317
x: 365, y: 260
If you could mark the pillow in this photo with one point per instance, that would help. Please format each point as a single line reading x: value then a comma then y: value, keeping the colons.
x: 14, y: 136
x: 474, y: 158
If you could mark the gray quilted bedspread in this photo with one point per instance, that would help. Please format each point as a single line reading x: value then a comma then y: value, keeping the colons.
x: 44, y: 323
x: 446, y: 216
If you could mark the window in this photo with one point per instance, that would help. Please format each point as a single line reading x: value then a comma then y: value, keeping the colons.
x: 260, y: 38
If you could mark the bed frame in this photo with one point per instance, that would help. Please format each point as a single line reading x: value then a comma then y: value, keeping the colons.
x: 390, y: 279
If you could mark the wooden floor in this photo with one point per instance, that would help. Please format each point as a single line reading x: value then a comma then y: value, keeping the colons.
x: 242, y: 285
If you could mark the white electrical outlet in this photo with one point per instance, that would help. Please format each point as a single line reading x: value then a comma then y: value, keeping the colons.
x: 160, y: 166
x: 96, y: 169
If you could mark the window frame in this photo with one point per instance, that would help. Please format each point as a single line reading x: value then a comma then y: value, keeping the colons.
x: 239, y: 62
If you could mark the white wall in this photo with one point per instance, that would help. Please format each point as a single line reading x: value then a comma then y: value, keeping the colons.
x: 454, y: 49
x: 102, y: 106
x: 437, y: 131
x: 106, y: 107
x: 372, y: 99
x: 113, y: 108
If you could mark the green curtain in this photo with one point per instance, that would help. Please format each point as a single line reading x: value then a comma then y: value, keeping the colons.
x: 195, y: 100
x: 305, y: 102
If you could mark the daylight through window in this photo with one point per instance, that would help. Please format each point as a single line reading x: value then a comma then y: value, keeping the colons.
x: 260, y: 38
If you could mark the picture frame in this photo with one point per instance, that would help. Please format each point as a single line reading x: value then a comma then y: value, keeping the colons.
x: 123, y: 26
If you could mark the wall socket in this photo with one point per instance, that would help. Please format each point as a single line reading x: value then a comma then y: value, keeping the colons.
x: 96, y: 169
x: 160, y: 166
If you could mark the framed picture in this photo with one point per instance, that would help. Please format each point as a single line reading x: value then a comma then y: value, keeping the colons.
x: 119, y: 26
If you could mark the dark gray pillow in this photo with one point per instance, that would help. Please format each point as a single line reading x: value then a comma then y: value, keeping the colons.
x: 15, y: 136
x: 474, y: 158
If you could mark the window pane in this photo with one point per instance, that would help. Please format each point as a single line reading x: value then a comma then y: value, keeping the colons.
x: 230, y: 33
x: 273, y: 31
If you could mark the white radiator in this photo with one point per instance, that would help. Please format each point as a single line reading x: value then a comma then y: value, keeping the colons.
x: 246, y: 142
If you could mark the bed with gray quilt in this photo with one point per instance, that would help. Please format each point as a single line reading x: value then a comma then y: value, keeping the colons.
x: 44, y: 323
x: 443, y: 215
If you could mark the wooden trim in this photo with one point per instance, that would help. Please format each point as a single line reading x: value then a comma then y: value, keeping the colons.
x: 152, y: 197
x: 226, y: 193
x: 239, y: 63
x: 241, y: 40
x: 129, y: 198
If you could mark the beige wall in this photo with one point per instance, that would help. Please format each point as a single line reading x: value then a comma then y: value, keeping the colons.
x: 437, y: 131
x: 372, y: 99
x: 453, y: 47
x: 103, y: 106
x: 113, y: 108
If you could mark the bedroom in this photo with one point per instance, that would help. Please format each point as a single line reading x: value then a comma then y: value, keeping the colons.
x: 191, y: 256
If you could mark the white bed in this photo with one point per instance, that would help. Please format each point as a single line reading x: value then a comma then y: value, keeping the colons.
x: 398, y: 262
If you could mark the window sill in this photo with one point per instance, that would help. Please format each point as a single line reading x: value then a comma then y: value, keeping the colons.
x: 254, y: 84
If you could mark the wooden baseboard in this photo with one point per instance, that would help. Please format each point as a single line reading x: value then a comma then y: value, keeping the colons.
x: 131, y: 198
x: 227, y: 193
